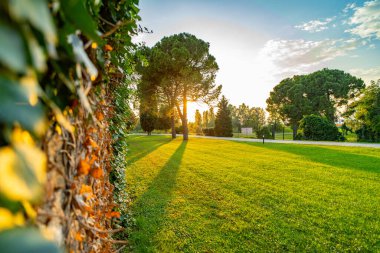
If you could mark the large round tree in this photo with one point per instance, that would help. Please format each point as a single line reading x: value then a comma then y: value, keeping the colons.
x: 183, y: 71
x: 320, y: 93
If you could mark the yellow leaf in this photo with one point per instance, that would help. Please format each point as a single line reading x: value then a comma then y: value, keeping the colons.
x: 58, y: 130
x: 32, y: 214
x: 62, y: 120
x: 11, y: 184
x: 35, y: 160
x: 22, y: 172
x: 40, y: 127
x: 8, y: 220
x: 31, y: 85
x: 21, y: 136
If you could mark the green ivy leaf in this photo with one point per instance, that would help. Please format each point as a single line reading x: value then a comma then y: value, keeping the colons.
x: 37, y: 13
x: 76, y: 13
x: 15, y: 107
x: 36, y: 52
x: 12, y: 50
x: 26, y: 240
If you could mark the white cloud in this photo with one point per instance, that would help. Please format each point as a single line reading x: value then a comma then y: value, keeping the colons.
x: 367, y: 74
x: 366, y: 20
x: 300, y: 56
x: 315, y: 25
x: 349, y: 7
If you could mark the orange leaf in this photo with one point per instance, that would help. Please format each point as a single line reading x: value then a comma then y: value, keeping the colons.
x: 78, y: 237
x: 85, y: 189
x: 99, y: 116
x: 108, y: 47
x: 108, y: 215
x: 97, y: 173
x: 84, y: 166
x: 88, y: 208
x: 91, y: 130
x: 92, y: 143
x: 93, y: 159
x: 115, y: 214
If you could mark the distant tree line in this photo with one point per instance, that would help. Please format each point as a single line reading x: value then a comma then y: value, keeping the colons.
x: 179, y: 69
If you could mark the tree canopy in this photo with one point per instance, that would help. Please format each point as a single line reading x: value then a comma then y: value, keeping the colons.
x: 320, y: 93
x: 364, y: 114
x: 182, y: 70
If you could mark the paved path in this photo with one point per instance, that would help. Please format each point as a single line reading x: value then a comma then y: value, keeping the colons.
x: 323, y: 143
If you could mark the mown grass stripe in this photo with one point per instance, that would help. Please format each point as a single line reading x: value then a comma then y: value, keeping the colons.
x: 223, y: 196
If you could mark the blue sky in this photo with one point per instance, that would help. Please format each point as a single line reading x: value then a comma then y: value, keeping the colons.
x: 258, y: 43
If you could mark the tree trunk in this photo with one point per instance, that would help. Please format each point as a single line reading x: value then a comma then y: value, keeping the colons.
x: 295, y: 128
x: 174, y: 135
x: 184, y: 119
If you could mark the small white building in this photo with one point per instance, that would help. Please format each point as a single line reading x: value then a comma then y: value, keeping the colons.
x: 246, y: 130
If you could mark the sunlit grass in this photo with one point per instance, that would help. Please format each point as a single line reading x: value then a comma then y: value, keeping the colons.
x: 221, y: 196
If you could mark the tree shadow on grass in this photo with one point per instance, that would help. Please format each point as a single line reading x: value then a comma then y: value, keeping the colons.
x: 331, y: 157
x: 141, y: 149
x: 149, y: 208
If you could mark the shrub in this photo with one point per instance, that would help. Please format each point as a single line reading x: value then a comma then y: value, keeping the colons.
x: 319, y: 128
x: 208, y: 131
x: 162, y: 123
x: 265, y: 130
x: 148, y: 121
x: 179, y: 130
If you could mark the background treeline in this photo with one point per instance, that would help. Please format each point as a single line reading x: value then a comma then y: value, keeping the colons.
x: 323, y: 105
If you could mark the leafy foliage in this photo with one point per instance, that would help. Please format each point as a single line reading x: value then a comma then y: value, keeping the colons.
x: 244, y: 116
x: 148, y: 121
x: 223, y: 121
x: 264, y: 131
x: 319, y: 128
x: 366, y: 114
x: 319, y: 93
x: 208, y: 131
x: 60, y: 62
x: 198, y: 122
x: 182, y: 69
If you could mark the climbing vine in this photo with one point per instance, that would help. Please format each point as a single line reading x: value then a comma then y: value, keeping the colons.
x: 65, y: 74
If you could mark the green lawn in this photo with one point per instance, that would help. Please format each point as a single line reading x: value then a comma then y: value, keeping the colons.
x: 222, y: 196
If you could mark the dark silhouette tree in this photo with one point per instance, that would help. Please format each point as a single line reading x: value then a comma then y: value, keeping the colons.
x: 211, y: 117
x: 223, y: 120
x: 148, y: 121
x: 198, y: 122
x: 205, y: 119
